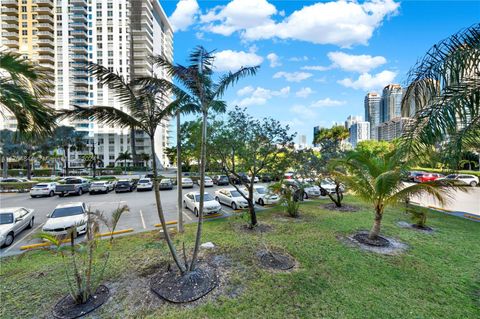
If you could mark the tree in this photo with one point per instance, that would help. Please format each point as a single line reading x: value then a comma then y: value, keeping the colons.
x: 22, y: 85
x: 26, y: 149
x: 171, y: 153
x: 378, y: 180
x: 66, y: 138
x: 8, y: 148
x: 444, y: 94
x: 246, y: 145
x: 330, y: 139
x: 145, y: 110
x: 125, y: 156
x: 204, y: 94
x: 375, y: 147
x: 91, y: 161
x: 144, y: 157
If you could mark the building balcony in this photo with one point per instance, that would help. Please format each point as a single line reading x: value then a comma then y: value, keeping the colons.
x: 44, y: 3
x: 79, y: 3
x: 79, y: 41
x: 79, y: 33
x: 42, y: 10
x: 43, y: 58
x: 44, y: 18
x: 78, y: 49
x: 45, y: 51
x: 80, y: 72
x: 10, y: 3
x: 76, y: 80
x: 79, y: 17
x: 78, y: 25
x: 78, y: 57
x: 45, y: 43
x: 12, y: 44
x: 11, y: 10
x: 44, y: 34
x: 44, y: 26
x: 9, y: 26
x: 10, y: 19
x: 10, y: 35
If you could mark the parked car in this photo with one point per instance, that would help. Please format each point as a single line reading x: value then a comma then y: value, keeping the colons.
x: 148, y: 175
x: 309, y: 190
x: 426, y: 177
x: 76, y: 186
x: 15, y: 180
x: 166, y: 184
x: 187, y: 182
x: 231, y: 197
x: 266, y: 178
x: 220, y: 180
x: 144, y: 184
x: 43, y: 189
x: 262, y: 195
x: 101, y: 187
x: 255, y: 179
x: 125, y: 185
x: 208, y: 182
x: 14, y: 220
x: 65, y: 217
x: 463, y: 179
x: 412, y: 174
x: 192, y: 201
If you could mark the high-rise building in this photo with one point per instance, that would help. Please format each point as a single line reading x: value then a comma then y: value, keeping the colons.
x: 372, y: 112
x: 63, y: 36
x: 391, y: 102
x: 352, y: 119
x: 316, y: 129
x: 393, y: 129
x: 359, y: 131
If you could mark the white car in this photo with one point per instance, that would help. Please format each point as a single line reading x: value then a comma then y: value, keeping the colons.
x: 462, y: 179
x: 66, y: 216
x: 231, y: 197
x: 101, y: 187
x: 12, y: 221
x: 145, y: 184
x: 208, y: 181
x: 262, y: 196
x: 43, y: 189
x: 187, y: 182
x: 309, y: 190
x: 192, y: 201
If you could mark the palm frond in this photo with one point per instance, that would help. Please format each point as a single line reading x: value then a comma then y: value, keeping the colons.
x: 115, y: 82
x: 230, y: 79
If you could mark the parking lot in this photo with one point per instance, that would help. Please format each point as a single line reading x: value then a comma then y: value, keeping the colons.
x: 141, y: 217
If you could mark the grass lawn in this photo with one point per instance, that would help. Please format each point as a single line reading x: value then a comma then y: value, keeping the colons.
x: 438, y: 276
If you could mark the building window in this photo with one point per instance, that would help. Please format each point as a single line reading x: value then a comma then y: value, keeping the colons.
x: 99, y: 37
x: 110, y: 29
x: 110, y: 53
x: 24, y: 16
x: 24, y: 8
x: 110, y: 61
x: 110, y: 37
x: 24, y: 32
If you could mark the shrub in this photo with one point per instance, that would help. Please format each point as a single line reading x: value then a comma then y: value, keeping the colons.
x: 289, y: 197
x: 17, y: 186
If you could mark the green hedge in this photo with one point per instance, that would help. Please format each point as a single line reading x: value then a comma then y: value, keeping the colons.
x: 17, y: 186
x: 36, y: 172
x: 443, y: 171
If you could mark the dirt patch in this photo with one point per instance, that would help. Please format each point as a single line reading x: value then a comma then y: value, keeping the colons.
x: 66, y: 308
x: 260, y: 228
x: 345, y: 208
x: 379, y: 246
x: 407, y: 225
x: 275, y: 260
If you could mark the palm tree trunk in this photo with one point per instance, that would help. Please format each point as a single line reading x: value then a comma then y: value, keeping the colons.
x: 179, y: 177
x: 375, y: 231
x: 125, y: 166
x: 203, y: 158
x: 29, y: 167
x: 65, y: 151
x: 133, y: 145
x: 5, y: 166
x: 161, y: 215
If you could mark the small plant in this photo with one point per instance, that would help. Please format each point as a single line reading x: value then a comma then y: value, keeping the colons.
x: 418, y: 215
x: 83, y: 265
x: 290, y: 197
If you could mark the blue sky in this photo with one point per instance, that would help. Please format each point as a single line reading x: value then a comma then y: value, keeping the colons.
x: 318, y: 58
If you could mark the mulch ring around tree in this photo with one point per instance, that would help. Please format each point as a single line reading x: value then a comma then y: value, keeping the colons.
x: 345, y: 208
x: 275, y: 260
x: 381, y: 245
x: 174, y: 287
x: 66, y: 308
x: 425, y: 229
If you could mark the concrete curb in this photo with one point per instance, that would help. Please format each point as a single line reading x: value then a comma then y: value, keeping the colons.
x: 173, y: 222
x: 465, y: 215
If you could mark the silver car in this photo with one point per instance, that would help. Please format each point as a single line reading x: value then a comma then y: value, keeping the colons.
x: 12, y: 221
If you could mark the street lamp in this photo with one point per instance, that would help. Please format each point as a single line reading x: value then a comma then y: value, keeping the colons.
x: 94, y: 158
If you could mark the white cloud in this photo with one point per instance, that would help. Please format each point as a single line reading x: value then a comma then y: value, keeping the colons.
x: 366, y: 81
x: 304, y: 92
x: 238, y: 15
x: 259, y: 95
x: 274, y: 60
x: 327, y: 102
x: 356, y: 63
x: 316, y: 68
x: 303, y: 111
x: 293, y: 76
x: 298, y: 58
x: 229, y: 60
x: 184, y: 14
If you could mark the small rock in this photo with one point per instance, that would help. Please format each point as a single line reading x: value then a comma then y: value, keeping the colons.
x: 208, y: 245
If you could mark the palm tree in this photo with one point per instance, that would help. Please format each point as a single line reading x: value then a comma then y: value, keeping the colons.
x: 204, y: 94
x: 125, y: 156
x: 144, y: 157
x: 66, y: 138
x: 444, y: 95
x: 378, y: 180
x: 8, y: 148
x: 144, y: 101
x: 22, y: 85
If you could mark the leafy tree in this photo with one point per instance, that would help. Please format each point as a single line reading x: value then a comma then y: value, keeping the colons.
x: 66, y: 138
x: 171, y: 153
x: 124, y: 156
x: 22, y: 85
x: 330, y: 139
x: 91, y: 161
x: 288, y: 197
x: 197, y: 80
x: 375, y: 147
x: 246, y: 145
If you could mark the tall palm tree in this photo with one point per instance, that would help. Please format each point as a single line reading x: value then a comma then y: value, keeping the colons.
x: 144, y: 157
x: 66, y: 138
x: 378, y: 180
x: 144, y: 101
x: 22, y: 85
x: 8, y: 149
x: 197, y: 82
x: 125, y: 156
x: 443, y: 93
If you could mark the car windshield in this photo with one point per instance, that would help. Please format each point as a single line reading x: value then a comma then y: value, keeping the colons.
x: 6, y: 218
x: 207, y: 197
x: 99, y: 183
x: 261, y: 190
x: 165, y: 181
x: 40, y: 186
x: 143, y: 181
x: 451, y: 176
x: 123, y: 184
x: 186, y: 180
x: 73, y: 181
x: 208, y: 178
x: 67, y: 211
x: 223, y: 177
x: 235, y: 194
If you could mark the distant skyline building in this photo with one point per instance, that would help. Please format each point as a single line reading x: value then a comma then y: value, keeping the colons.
x: 302, y: 141
x: 391, y: 102
x: 316, y: 129
x: 352, y: 119
x: 372, y: 112
x: 359, y: 131
x: 393, y: 129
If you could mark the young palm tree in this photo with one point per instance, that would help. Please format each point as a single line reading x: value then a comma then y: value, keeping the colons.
x: 378, y: 180
x: 125, y: 156
x: 444, y: 95
x: 66, y: 138
x: 144, y: 101
x: 22, y: 86
x: 197, y: 82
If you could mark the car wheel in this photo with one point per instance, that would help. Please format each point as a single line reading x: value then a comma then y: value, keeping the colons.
x: 51, y: 194
x: 33, y: 196
x: 80, y: 192
x: 9, y: 239
x: 473, y: 183
x: 184, y: 204
x: 30, y: 225
x: 234, y: 206
x: 260, y: 201
x: 217, y: 199
x: 61, y: 194
x: 195, y: 211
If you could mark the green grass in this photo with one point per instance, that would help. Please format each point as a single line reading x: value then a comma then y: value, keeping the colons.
x: 438, y: 277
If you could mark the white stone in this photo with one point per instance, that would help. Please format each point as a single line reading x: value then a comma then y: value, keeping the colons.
x: 208, y: 245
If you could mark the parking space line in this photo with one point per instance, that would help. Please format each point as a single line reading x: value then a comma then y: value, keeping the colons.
x: 186, y: 215
x: 143, y: 220
x: 26, y: 236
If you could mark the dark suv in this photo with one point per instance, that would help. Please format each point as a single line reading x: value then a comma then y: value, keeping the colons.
x: 220, y: 180
x: 125, y: 186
